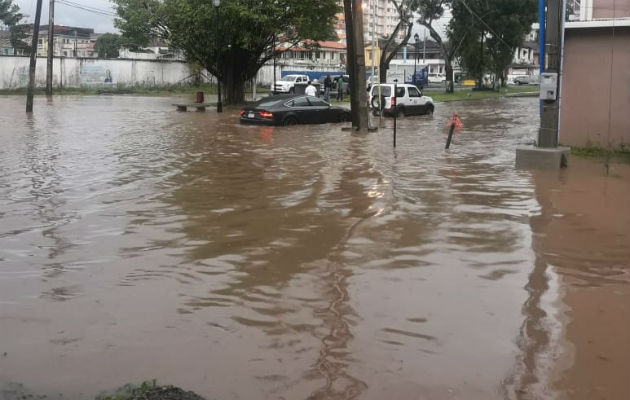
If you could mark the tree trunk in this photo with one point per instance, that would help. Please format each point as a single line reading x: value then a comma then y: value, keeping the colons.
x: 448, y: 69
x: 232, y: 79
x: 233, y: 90
x: 480, y: 82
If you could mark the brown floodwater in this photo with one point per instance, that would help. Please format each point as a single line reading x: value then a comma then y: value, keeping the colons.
x: 245, y: 262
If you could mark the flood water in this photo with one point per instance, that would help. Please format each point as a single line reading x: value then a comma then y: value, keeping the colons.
x: 244, y: 262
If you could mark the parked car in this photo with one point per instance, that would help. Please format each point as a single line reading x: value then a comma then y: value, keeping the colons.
x: 372, y: 80
x: 286, y: 84
x: 526, y: 80
x: 437, y: 78
x: 409, y: 100
x: 292, y: 110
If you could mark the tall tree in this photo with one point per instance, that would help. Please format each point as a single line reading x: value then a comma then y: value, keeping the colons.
x: 492, y: 29
x: 107, y: 45
x: 232, y: 41
x: 10, y: 16
x: 511, y: 20
x: 429, y: 12
x: 405, y: 9
x: 9, y: 13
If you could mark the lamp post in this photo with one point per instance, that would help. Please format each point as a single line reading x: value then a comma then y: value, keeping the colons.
x: 415, y: 56
x: 216, y: 4
x: 424, y: 48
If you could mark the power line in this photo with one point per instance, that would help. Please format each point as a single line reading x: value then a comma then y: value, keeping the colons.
x: 93, y: 10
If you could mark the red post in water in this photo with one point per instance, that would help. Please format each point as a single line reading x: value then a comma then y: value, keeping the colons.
x: 199, y: 98
x: 455, y: 124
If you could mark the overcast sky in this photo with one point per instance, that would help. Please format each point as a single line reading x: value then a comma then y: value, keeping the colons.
x: 72, y: 16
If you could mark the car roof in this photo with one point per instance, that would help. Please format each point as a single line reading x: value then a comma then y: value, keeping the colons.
x: 284, y: 97
x: 399, y: 85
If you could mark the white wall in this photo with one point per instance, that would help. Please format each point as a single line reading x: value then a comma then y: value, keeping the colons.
x: 86, y: 72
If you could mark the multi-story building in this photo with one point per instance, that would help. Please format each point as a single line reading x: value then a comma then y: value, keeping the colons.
x: 379, y: 18
x: 325, y: 54
x: 595, y: 78
x: 68, y: 41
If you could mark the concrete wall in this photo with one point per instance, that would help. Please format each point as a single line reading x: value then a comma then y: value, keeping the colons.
x: 87, y: 72
x: 595, y: 97
x: 611, y: 8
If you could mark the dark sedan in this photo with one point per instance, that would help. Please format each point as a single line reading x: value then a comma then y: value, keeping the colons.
x: 292, y: 109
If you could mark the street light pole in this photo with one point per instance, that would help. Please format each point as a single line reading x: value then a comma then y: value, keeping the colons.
x: 415, y: 57
x: 424, y: 49
x: 216, y: 4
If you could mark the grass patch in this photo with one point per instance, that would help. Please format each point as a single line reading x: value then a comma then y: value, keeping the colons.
x: 468, y: 94
x: 130, y: 391
x: 620, y: 155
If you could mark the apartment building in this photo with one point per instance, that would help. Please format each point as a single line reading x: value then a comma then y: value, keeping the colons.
x: 379, y: 18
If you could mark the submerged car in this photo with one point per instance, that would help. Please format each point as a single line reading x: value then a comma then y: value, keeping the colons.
x: 292, y: 110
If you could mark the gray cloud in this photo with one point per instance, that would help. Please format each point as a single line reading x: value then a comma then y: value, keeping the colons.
x: 72, y: 16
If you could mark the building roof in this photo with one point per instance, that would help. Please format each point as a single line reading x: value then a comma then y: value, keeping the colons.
x: 311, y: 45
x: 332, y: 45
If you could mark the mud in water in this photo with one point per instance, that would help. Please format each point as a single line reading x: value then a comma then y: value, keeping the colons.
x: 245, y: 262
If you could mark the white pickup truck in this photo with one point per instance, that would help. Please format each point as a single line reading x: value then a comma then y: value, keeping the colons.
x: 286, y: 84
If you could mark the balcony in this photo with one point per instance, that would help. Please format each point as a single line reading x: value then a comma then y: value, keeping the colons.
x: 597, y: 13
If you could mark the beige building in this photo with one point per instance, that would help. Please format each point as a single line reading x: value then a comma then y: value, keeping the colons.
x: 68, y: 41
x: 595, y: 92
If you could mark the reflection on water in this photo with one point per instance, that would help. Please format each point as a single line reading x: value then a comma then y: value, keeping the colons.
x: 305, y: 262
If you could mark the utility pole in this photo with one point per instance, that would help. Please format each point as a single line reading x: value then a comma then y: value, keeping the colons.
x: 33, y: 62
x: 358, y: 89
x: 347, y: 10
x: 548, y: 132
x: 49, y: 55
x: 547, y: 154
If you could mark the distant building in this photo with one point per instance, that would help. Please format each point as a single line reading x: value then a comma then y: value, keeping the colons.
x: 595, y: 83
x: 324, y: 54
x: 379, y: 16
x: 68, y: 41
x: 425, y: 53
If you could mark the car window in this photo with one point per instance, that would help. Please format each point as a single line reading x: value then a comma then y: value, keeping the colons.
x: 300, y: 102
x: 413, y: 92
x: 385, y: 90
x: 317, y: 102
x: 400, y: 91
x: 268, y: 103
x: 298, y: 79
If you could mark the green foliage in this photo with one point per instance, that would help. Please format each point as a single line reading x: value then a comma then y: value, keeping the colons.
x: 19, y: 36
x: 9, y: 13
x: 489, y: 32
x: 231, y: 41
x: 107, y: 45
x: 429, y: 11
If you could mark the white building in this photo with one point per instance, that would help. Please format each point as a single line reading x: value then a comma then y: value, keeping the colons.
x: 378, y: 15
